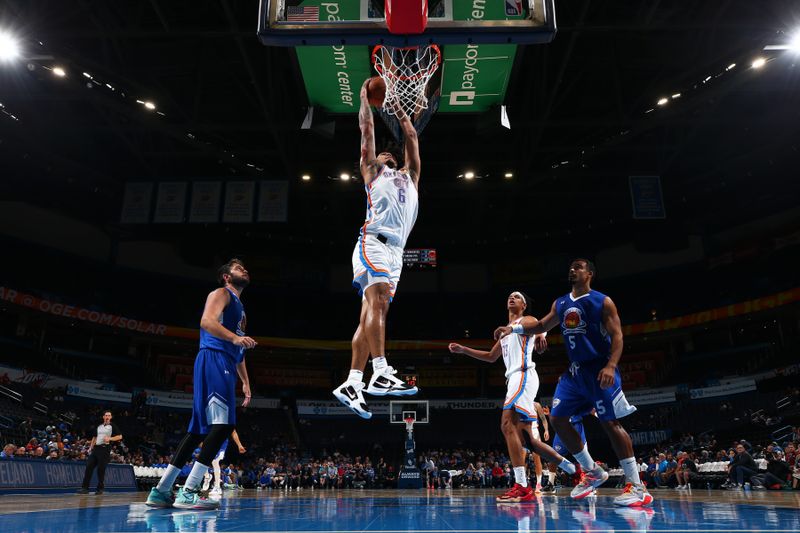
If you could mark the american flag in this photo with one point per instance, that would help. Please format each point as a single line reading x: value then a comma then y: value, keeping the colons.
x: 302, y: 14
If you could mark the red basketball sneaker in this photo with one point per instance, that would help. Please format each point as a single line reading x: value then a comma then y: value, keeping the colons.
x: 516, y: 494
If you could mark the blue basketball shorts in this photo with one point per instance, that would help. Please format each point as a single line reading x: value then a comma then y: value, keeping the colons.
x: 214, y: 391
x: 578, y: 391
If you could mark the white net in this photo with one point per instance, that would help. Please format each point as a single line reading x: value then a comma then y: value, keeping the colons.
x: 406, y: 72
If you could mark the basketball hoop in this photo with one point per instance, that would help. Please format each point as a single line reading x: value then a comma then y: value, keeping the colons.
x: 409, y: 423
x: 406, y: 72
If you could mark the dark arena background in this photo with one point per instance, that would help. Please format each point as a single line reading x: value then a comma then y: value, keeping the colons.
x: 145, y: 143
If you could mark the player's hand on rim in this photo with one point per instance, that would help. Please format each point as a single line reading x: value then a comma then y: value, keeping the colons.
x: 248, y: 343
x: 502, y: 331
x: 606, y: 376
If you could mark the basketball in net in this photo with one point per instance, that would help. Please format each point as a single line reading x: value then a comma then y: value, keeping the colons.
x: 406, y: 72
x: 376, y: 91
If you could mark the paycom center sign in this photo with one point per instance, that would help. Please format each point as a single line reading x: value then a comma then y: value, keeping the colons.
x: 474, y: 77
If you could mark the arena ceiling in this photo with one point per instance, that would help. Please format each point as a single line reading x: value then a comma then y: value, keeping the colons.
x: 583, y: 112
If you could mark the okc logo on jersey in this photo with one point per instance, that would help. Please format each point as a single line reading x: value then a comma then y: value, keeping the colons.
x: 400, y: 182
x: 241, y: 327
x: 573, y: 322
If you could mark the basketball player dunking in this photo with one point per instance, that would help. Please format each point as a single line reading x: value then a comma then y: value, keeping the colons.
x: 593, y: 339
x: 519, y: 410
x: 220, y: 359
x: 392, y: 202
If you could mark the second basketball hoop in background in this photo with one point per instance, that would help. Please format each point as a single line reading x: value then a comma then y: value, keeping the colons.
x: 376, y: 91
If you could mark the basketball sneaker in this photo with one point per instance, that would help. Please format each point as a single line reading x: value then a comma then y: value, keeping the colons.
x: 349, y: 393
x: 191, y: 499
x: 516, y: 494
x: 156, y: 498
x: 215, y: 493
x: 589, y: 481
x: 634, y: 496
x: 385, y: 382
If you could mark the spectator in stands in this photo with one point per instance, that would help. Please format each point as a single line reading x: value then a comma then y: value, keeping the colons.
x: 8, y: 451
x: 741, y: 469
x: 497, y: 475
x: 652, y: 471
x: 687, y: 469
x: 777, y: 473
x: 790, y: 452
x: 667, y: 473
x: 796, y: 472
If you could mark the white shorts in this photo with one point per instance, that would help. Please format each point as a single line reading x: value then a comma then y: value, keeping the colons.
x: 376, y: 262
x: 521, y: 391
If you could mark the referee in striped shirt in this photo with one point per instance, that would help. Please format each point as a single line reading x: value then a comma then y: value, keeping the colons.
x: 100, y: 453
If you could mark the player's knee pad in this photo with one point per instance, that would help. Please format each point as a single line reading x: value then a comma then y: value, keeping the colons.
x: 185, y: 449
x: 213, y: 441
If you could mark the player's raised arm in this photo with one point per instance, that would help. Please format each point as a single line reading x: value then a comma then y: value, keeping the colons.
x: 369, y: 163
x: 411, y: 148
x: 613, y: 326
x: 529, y: 325
x: 481, y: 355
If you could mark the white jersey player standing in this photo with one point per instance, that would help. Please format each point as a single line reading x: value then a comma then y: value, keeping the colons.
x: 392, y: 203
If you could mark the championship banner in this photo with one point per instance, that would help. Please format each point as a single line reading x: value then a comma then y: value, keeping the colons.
x: 646, y: 197
x: 273, y: 201
x: 239, y: 201
x: 737, y: 387
x: 98, y: 394
x: 171, y: 202
x: 641, y: 438
x: 205, y: 202
x: 25, y: 476
x: 323, y: 408
x: 136, y: 203
x: 79, y: 313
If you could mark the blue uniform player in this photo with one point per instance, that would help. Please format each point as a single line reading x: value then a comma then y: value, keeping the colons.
x: 592, y: 335
x: 220, y: 359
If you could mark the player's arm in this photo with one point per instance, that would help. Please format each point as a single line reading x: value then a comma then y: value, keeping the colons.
x: 241, y: 369
x: 529, y: 325
x: 614, y: 328
x: 411, y: 147
x: 369, y: 164
x: 490, y: 356
x: 216, y: 303
x: 235, y: 437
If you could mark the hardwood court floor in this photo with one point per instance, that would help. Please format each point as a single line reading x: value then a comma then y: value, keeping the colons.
x: 424, y: 511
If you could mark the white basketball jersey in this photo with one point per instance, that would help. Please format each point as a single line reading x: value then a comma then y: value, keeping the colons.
x: 517, y: 352
x: 392, y: 203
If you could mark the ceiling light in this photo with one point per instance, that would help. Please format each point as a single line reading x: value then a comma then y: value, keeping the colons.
x: 344, y: 176
x: 58, y: 71
x: 306, y: 177
x: 509, y: 175
x: 730, y: 67
x: 676, y: 95
x: 758, y: 63
x: 9, y: 48
x: 150, y: 105
x: 663, y: 101
x: 469, y: 175
x: 794, y: 44
x: 87, y: 75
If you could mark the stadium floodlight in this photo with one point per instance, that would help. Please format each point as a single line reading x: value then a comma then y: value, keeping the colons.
x: 676, y: 95
x: 306, y: 177
x: 509, y: 175
x: 60, y: 72
x: 469, y: 175
x: 150, y: 105
x: 730, y: 67
x: 9, y: 47
x: 344, y: 176
x: 794, y: 44
x: 663, y: 101
x: 759, y: 62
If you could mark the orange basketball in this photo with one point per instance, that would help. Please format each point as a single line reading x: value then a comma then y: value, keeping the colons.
x: 376, y: 91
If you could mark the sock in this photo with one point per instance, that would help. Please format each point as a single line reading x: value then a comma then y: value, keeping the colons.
x: 631, y: 470
x: 355, y: 375
x: 551, y: 476
x: 168, y: 479
x: 584, y: 459
x: 566, y: 466
x: 519, y: 476
x: 538, y: 480
x: 195, y: 476
x: 379, y: 363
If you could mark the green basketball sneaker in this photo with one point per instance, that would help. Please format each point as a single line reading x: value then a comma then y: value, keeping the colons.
x: 156, y: 498
x: 191, y: 499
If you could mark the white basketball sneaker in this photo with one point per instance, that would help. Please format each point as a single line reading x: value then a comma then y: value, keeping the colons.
x: 589, y: 481
x: 215, y: 493
x: 385, y: 382
x: 349, y: 393
x: 634, y: 496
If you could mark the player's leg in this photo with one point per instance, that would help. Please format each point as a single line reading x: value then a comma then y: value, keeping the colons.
x: 350, y: 393
x: 161, y: 495
x: 612, y: 405
x: 520, y: 491
x: 571, y: 398
x: 217, y: 489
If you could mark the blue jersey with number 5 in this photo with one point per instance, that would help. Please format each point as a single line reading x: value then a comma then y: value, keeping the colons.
x: 582, y: 326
